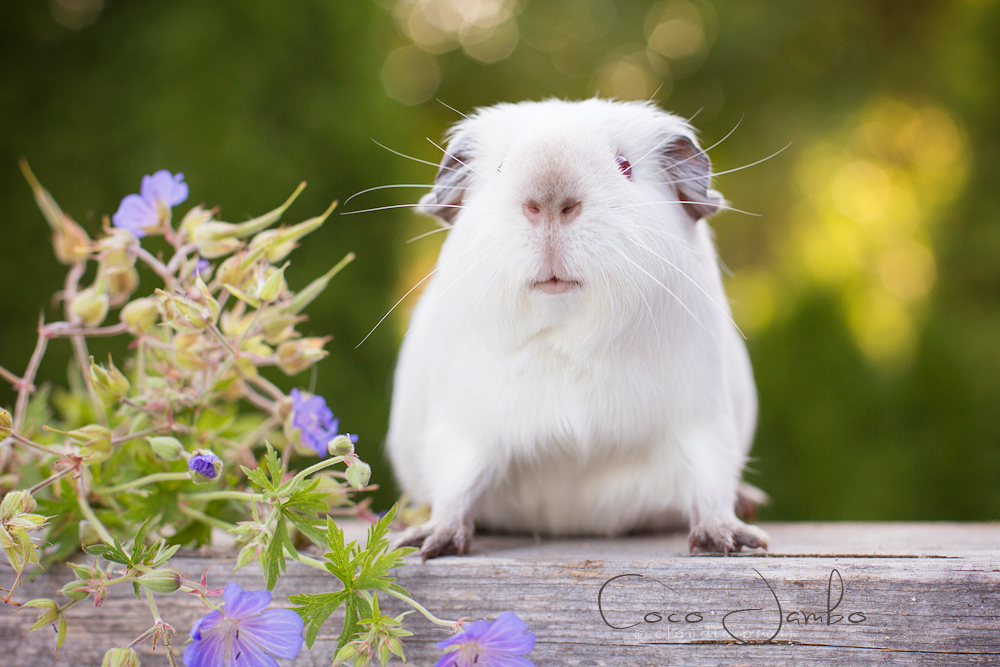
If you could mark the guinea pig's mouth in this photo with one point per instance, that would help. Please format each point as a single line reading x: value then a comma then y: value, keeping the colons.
x: 555, y: 285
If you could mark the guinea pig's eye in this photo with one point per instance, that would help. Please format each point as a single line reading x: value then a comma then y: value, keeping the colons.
x: 625, y: 166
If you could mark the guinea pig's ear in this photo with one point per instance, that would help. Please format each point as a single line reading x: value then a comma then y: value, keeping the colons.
x: 689, y: 171
x: 444, y: 201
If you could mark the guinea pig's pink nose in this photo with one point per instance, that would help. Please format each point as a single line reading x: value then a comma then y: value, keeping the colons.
x: 564, y: 212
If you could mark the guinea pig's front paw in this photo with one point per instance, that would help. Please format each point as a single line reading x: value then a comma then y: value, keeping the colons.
x: 724, y: 534
x: 434, y: 539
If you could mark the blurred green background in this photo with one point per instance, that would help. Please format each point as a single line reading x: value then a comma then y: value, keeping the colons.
x: 868, y: 286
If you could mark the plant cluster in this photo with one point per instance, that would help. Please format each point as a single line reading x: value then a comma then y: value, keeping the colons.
x: 185, y: 435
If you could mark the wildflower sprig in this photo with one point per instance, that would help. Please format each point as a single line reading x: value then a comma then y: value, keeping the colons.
x: 186, y: 434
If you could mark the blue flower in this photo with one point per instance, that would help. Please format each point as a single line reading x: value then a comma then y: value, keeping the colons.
x: 142, y: 213
x: 315, y: 421
x: 242, y: 634
x: 202, y: 269
x: 205, y: 463
x: 484, y: 644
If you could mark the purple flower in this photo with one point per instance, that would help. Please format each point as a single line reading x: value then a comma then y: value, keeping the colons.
x: 242, y: 634
x: 201, y: 269
x: 142, y: 212
x: 315, y: 421
x: 484, y: 644
x: 205, y: 463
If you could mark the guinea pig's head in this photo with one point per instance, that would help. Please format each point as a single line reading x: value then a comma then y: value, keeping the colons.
x: 570, y: 211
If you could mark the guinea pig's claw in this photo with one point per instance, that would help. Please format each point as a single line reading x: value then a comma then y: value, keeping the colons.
x: 725, y: 535
x: 437, y: 540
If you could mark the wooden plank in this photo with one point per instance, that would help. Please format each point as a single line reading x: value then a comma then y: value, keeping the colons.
x: 849, y: 594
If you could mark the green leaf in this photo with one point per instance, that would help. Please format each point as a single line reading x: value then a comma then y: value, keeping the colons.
x: 139, y: 544
x: 315, y: 609
x: 61, y: 633
x: 314, y: 532
x: 258, y: 477
x: 114, y: 553
x: 274, y: 557
x: 350, y: 621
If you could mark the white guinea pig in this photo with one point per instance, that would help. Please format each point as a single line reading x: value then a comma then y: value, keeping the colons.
x: 572, y: 367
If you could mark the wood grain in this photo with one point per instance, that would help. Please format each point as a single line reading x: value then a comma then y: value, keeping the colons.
x: 849, y: 594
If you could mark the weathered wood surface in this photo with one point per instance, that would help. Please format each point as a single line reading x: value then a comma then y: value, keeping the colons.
x: 848, y: 594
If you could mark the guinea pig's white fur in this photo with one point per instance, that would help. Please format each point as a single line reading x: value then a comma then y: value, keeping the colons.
x: 572, y: 367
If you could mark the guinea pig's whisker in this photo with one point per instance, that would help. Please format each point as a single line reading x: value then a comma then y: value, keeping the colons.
x: 397, y: 185
x: 687, y: 247
x: 694, y: 155
x: 692, y: 281
x: 452, y: 284
x: 432, y: 272
x: 415, y: 159
x: 426, y: 234
x: 652, y: 319
x: 650, y: 151
x: 668, y: 290
x: 729, y: 171
x: 448, y: 106
x: 383, y: 208
x: 690, y: 201
x: 456, y: 159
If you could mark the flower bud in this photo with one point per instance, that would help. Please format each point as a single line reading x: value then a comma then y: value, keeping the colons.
x: 215, y: 239
x: 120, y: 657
x: 117, y: 247
x: 14, y: 503
x: 5, y: 424
x: 281, y: 242
x: 273, y: 285
x: 194, y: 219
x: 139, y: 315
x: 167, y: 448
x: 340, y: 446
x: 73, y: 591
x: 277, y: 324
x: 346, y: 654
x: 123, y: 281
x: 109, y: 383
x: 165, y: 580
x: 70, y: 242
x: 203, y: 466
x: 96, y: 442
x: 90, y: 306
x: 295, y: 356
x: 358, y: 474
x: 206, y: 296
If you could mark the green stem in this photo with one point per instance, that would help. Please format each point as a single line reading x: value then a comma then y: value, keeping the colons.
x: 51, y: 480
x: 308, y: 560
x: 88, y: 513
x: 132, y: 436
x: 253, y: 323
x: 316, y: 467
x: 223, y: 495
x: 206, y: 519
x: 143, y: 481
x: 225, y: 341
x: 143, y: 637
x: 152, y: 607
x: 416, y: 605
x: 34, y: 445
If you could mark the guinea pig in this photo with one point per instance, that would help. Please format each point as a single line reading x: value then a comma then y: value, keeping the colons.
x: 572, y: 367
